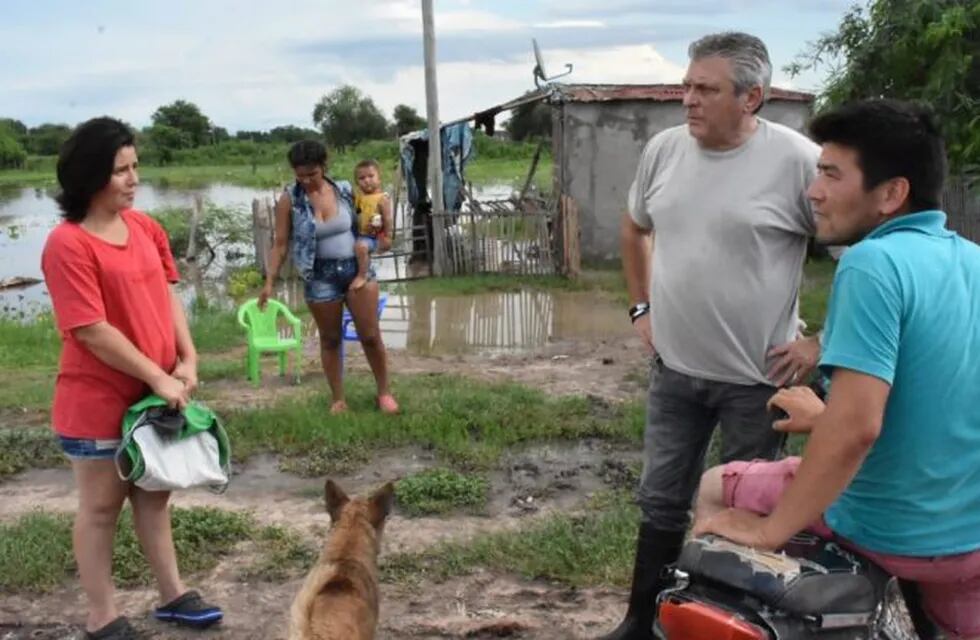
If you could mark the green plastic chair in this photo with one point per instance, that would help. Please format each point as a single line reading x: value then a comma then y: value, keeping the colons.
x: 262, y: 332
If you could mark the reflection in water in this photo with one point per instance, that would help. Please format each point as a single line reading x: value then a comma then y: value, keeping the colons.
x: 497, y: 323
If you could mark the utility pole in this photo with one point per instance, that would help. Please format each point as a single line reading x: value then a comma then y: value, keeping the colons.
x: 435, y: 140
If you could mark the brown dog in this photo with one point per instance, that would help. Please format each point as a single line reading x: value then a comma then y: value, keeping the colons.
x: 339, y: 599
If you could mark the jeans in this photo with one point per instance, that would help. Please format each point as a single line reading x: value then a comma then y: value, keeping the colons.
x: 682, y: 412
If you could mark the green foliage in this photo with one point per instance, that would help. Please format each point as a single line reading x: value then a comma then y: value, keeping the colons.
x: 36, y: 550
x: 46, y: 140
x: 589, y: 549
x: 244, y: 281
x: 185, y: 117
x: 16, y: 128
x: 925, y: 50
x: 217, y: 227
x: 439, y: 491
x: 158, y: 144
x: 12, y: 154
x: 407, y: 120
x: 818, y: 275
x: 31, y: 343
x: 346, y: 117
x: 24, y: 448
x: 530, y: 120
x: 497, y: 148
x: 290, y: 134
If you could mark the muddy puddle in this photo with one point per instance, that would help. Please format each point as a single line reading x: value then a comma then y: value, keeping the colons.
x: 493, y: 324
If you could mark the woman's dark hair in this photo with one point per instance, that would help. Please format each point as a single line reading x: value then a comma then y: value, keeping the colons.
x: 86, y: 161
x: 307, y: 153
x: 892, y: 139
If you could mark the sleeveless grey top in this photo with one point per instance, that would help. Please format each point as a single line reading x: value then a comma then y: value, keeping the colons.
x: 334, y: 239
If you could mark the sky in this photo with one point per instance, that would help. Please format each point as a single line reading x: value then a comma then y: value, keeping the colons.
x: 256, y: 65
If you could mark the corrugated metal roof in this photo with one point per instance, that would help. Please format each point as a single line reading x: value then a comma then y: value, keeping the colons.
x: 655, y: 92
x: 558, y: 93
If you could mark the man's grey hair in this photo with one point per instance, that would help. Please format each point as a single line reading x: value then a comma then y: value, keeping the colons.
x: 748, y: 55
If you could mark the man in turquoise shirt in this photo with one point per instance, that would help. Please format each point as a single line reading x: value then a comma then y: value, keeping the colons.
x: 892, y: 467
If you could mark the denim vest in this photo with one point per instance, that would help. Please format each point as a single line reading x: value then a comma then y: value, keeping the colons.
x: 304, y: 227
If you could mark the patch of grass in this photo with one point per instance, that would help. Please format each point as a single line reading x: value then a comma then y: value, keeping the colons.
x: 818, y: 275
x: 220, y: 367
x: 202, y: 535
x: 29, y: 388
x: 36, y: 550
x: 283, y: 554
x: 468, y: 423
x: 215, y: 330
x: 436, y: 491
x: 22, y: 449
x: 576, y: 549
x: 29, y: 343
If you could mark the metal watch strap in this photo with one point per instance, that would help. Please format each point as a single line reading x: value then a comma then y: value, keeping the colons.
x: 639, y: 310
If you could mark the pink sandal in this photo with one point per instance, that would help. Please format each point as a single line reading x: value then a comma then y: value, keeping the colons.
x: 387, y: 404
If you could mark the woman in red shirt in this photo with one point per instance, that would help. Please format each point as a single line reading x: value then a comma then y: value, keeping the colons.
x: 110, y: 274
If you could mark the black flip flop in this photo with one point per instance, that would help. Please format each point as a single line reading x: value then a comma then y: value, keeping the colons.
x: 189, y: 610
x: 118, y: 629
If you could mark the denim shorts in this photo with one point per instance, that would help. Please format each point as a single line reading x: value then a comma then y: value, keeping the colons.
x: 86, y: 449
x: 331, y: 278
x: 369, y: 241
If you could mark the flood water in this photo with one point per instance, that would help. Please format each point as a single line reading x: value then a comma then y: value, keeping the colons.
x: 489, y: 323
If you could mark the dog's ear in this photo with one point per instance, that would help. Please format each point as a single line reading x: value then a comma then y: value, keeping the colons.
x: 336, y: 499
x: 380, y: 503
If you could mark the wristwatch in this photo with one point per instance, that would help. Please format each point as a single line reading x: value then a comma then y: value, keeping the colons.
x: 639, y: 310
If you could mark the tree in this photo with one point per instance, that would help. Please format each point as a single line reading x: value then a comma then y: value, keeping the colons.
x: 347, y: 117
x: 219, y: 134
x: 46, y: 140
x: 185, y: 117
x: 254, y: 136
x: 15, y: 128
x: 923, y: 50
x: 407, y: 120
x: 12, y: 154
x: 290, y: 134
x: 159, y: 142
x: 530, y: 120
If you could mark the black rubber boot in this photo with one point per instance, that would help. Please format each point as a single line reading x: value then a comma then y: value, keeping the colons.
x: 654, y: 550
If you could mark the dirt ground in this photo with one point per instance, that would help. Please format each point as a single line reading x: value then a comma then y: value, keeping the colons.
x: 529, y: 484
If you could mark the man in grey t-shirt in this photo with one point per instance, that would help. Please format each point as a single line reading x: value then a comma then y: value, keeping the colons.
x: 713, y: 251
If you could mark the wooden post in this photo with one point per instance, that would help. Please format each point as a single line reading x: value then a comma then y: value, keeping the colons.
x: 571, y: 258
x: 435, y: 140
x: 196, y: 212
x: 530, y: 173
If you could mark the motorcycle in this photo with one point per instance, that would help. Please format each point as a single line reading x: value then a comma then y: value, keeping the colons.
x: 810, y: 589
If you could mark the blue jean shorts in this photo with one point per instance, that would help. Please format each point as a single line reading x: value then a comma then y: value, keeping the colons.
x: 86, y: 449
x: 369, y: 241
x: 331, y: 279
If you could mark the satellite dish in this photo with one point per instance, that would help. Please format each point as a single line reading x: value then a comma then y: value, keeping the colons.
x: 540, y: 75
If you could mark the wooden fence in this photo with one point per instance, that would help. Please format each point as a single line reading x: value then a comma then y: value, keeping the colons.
x: 538, y: 237
x: 962, y: 206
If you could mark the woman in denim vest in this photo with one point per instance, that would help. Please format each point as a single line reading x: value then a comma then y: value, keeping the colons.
x: 316, y: 217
